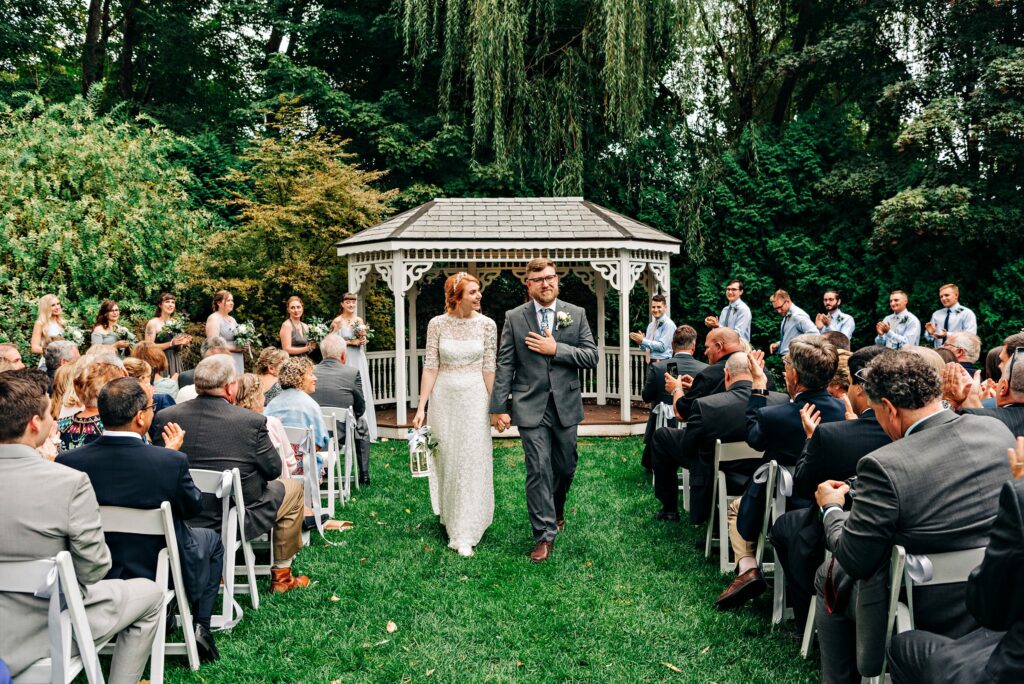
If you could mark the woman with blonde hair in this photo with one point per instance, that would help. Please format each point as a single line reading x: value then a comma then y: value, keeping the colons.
x: 85, y: 426
x: 267, y: 368
x: 294, y: 333
x: 346, y: 324
x: 65, y: 402
x: 49, y: 325
x: 143, y: 372
x: 250, y: 396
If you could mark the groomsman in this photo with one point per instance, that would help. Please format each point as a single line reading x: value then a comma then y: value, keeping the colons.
x: 736, y: 314
x: 834, y: 320
x: 951, y: 318
x: 795, y: 321
x: 657, y: 342
x: 900, y: 328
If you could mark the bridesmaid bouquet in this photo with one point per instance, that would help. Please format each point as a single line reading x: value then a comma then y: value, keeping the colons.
x: 318, y: 329
x: 422, y: 444
x: 171, y: 329
x: 124, y: 334
x: 362, y: 331
x: 247, y: 337
x: 74, y: 335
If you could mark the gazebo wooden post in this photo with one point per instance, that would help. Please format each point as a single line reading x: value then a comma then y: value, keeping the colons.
x: 398, y: 289
x: 414, y: 361
x: 601, y: 290
x: 625, y: 384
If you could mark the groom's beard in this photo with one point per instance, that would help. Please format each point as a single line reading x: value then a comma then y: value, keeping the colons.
x: 545, y: 298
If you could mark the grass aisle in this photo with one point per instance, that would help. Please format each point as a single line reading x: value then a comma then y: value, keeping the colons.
x: 623, y: 599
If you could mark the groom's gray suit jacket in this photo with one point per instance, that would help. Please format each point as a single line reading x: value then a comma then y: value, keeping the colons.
x: 530, y: 377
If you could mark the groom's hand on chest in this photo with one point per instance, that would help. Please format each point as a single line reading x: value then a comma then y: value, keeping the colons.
x: 542, y: 344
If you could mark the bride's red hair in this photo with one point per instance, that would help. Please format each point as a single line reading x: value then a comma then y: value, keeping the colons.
x: 455, y: 289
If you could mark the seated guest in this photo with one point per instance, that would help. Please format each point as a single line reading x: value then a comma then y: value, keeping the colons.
x: 293, y: 406
x: 962, y: 391
x: 717, y: 416
x: 211, y: 345
x: 992, y: 363
x: 59, y: 353
x: 946, y: 354
x: 65, y: 402
x: 141, y: 371
x: 836, y: 339
x: 831, y: 453
x: 777, y: 431
x: 125, y: 471
x: 86, y: 425
x: 65, y: 518
x: 839, y: 385
x: 967, y: 348
x: 933, y: 489
x: 221, y: 436
x: 340, y: 386
x: 719, y: 344
x: 250, y: 396
x: 993, y: 652
x: 10, y: 357
x: 267, y: 367
x: 684, y: 344
x: 151, y: 353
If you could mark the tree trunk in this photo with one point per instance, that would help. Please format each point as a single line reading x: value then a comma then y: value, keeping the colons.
x: 126, y: 62
x: 801, y: 31
x: 92, y: 53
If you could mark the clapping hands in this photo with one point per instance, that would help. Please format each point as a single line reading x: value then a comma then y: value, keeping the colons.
x: 1016, y: 456
x: 810, y: 418
x: 959, y: 388
x: 711, y: 321
x: 173, y: 436
x: 755, y: 364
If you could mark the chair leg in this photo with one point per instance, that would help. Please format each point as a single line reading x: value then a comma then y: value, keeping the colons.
x: 250, y: 567
x: 686, y: 490
x: 805, y: 645
x: 156, y: 657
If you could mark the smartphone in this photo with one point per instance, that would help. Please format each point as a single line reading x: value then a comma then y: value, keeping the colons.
x: 673, y: 369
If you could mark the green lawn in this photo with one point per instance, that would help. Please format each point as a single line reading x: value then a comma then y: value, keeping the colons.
x: 623, y: 599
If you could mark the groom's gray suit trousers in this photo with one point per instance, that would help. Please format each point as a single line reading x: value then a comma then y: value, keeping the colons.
x: 551, y: 456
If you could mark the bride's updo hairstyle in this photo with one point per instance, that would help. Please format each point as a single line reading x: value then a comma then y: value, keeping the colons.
x: 455, y: 288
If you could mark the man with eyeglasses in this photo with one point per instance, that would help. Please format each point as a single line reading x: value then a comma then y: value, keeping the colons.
x: 736, y: 314
x: 961, y: 390
x: 126, y: 471
x: 795, y: 322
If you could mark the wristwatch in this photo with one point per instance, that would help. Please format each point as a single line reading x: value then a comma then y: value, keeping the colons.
x: 759, y: 393
x: 826, y: 508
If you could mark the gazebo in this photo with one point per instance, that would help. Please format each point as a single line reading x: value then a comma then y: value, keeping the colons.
x: 487, y: 236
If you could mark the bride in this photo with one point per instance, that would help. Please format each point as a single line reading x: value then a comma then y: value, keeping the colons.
x: 458, y: 373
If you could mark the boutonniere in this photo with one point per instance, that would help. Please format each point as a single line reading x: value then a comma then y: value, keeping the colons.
x: 658, y: 327
x: 904, y: 319
x: 564, y: 319
x: 959, y: 309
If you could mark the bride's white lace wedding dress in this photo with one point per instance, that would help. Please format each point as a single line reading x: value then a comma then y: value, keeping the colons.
x: 462, y: 473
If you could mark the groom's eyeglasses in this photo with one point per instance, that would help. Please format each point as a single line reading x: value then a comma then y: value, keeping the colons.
x: 547, y: 280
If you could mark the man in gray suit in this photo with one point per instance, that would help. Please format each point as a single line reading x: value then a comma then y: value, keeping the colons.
x: 934, y: 489
x: 340, y: 386
x: 47, y: 508
x: 544, y: 344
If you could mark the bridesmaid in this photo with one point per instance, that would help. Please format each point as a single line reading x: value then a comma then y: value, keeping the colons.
x: 165, y: 306
x: 294, y: 333
x: 222, y: 323
x: 49, y: 326
x: 344, y: 325
x: 106, y: 326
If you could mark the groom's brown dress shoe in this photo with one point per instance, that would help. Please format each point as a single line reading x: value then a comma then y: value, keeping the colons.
x: 745, y: 587
x: 541, y: 552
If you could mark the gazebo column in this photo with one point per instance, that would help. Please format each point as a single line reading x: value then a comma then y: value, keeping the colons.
x: 625, y: 383
x: 401, y: 383
x: 414, y: 361
x: 601, y: 290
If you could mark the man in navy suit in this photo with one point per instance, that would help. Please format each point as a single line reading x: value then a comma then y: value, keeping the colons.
x: 777, y: 431
x: 125, y: 471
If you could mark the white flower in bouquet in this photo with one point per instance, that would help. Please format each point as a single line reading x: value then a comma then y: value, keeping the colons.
x: 318, y: 329
x: 247, y: 337
x: 362, y: 331
x: 74, y: 335
x: 124, y: 334
x: 172, y: 328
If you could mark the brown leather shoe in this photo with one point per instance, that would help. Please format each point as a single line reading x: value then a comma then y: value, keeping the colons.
x: 282, y: 580
x: 541, y: 552
x: 747, y: 586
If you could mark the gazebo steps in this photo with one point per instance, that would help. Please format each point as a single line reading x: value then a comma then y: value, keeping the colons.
x: 598, y: 421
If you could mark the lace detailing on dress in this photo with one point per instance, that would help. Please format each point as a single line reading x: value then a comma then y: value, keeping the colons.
x: 462, y: 358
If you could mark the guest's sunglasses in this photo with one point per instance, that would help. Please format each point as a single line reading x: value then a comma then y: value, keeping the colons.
x: 1013, y: 359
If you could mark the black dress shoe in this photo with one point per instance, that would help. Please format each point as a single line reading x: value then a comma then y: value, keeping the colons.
x: 668, y: 516
x: 364, y: 480
x: 309, y: 522
x: 204, y: 644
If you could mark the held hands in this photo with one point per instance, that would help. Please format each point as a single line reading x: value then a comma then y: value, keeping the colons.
x: 501, y: 421
x: 544, y: 344
x: 1016, y: 455
x: 929, y: 328
x: 773, y: 347
x: 831, y: 492
x: 419, y: 419
x: 822, y: 320
x: 122, y: 344
x: 181, y: 340
x: 755, y: 364
x: 810, y: 417
x: 711, y: 321
x: 173, y: 436
x: 881, y: 327
x: 636, y: 337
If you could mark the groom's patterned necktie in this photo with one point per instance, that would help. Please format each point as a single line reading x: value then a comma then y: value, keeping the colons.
x: 545, y: 323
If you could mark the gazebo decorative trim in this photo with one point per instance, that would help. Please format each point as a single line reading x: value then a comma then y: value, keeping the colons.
x: 488, y: 236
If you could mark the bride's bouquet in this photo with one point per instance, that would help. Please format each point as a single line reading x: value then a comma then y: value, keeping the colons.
x: 422, y: 444
x: 74, y: 335
x: 172, y: 328
x: 124, y: 334
x: 247, y: 337
x: 318, y: 329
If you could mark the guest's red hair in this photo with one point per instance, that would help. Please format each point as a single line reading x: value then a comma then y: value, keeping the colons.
x: 455, y: 289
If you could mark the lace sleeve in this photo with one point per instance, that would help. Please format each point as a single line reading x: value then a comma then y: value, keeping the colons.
x: 431, y: 359
x: 490, y: 345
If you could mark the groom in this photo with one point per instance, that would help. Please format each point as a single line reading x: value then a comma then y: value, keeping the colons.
x: 543, y: 345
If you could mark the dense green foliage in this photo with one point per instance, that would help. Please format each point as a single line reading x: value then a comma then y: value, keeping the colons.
x: 623, y: 599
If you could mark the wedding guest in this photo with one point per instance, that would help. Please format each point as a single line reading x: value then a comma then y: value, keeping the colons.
x: 952, y: 317
x: 65, y: 402
x: 348, y: 324
x: 222, y: 324
x: 101, y: 350
x: 656, y: 343
x: 966, y: 347
x: 151, y: 354
x: 836, y: 339
x: 947, y: 354
x: 736, y: 314
x: 105, y: 331
x: 58, y: 353
x: 294, y: 406
x: 10, y: 357
x: 992, y: 364
x: 294, y: 333
x: 250, y: 396
x: 900, y: 328
x: 186, y: 379
x: 49, y: 325
x: 834, y: 320
x: 85, y: 426
x: 143, y: 372
x: 839, y: 385
x: 795, y: 321
x: 340, y: 386
x: 166, y: 305
x: 268, y: 367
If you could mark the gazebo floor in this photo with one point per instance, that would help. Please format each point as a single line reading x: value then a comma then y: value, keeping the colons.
x: 598, y: 421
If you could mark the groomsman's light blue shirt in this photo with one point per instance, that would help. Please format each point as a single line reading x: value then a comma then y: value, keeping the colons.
x: 904, y: 331
x: 658, y: 338
x: 794, y: 323
x: 841, y: 322
x: 737, y: 317
x: 961, y: 319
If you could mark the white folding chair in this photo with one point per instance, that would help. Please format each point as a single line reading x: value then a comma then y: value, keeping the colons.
x: 809, y: 629
x: 907, y: 572
x: 51, y: 579
x: 720, y: 498
x: 227, y: 486
x: 303, y: 438
x: 158, y: 522
x: 341, y: 423
x: 778, y: 487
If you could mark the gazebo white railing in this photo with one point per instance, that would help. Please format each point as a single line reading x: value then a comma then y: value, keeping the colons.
x: 487, y: 236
